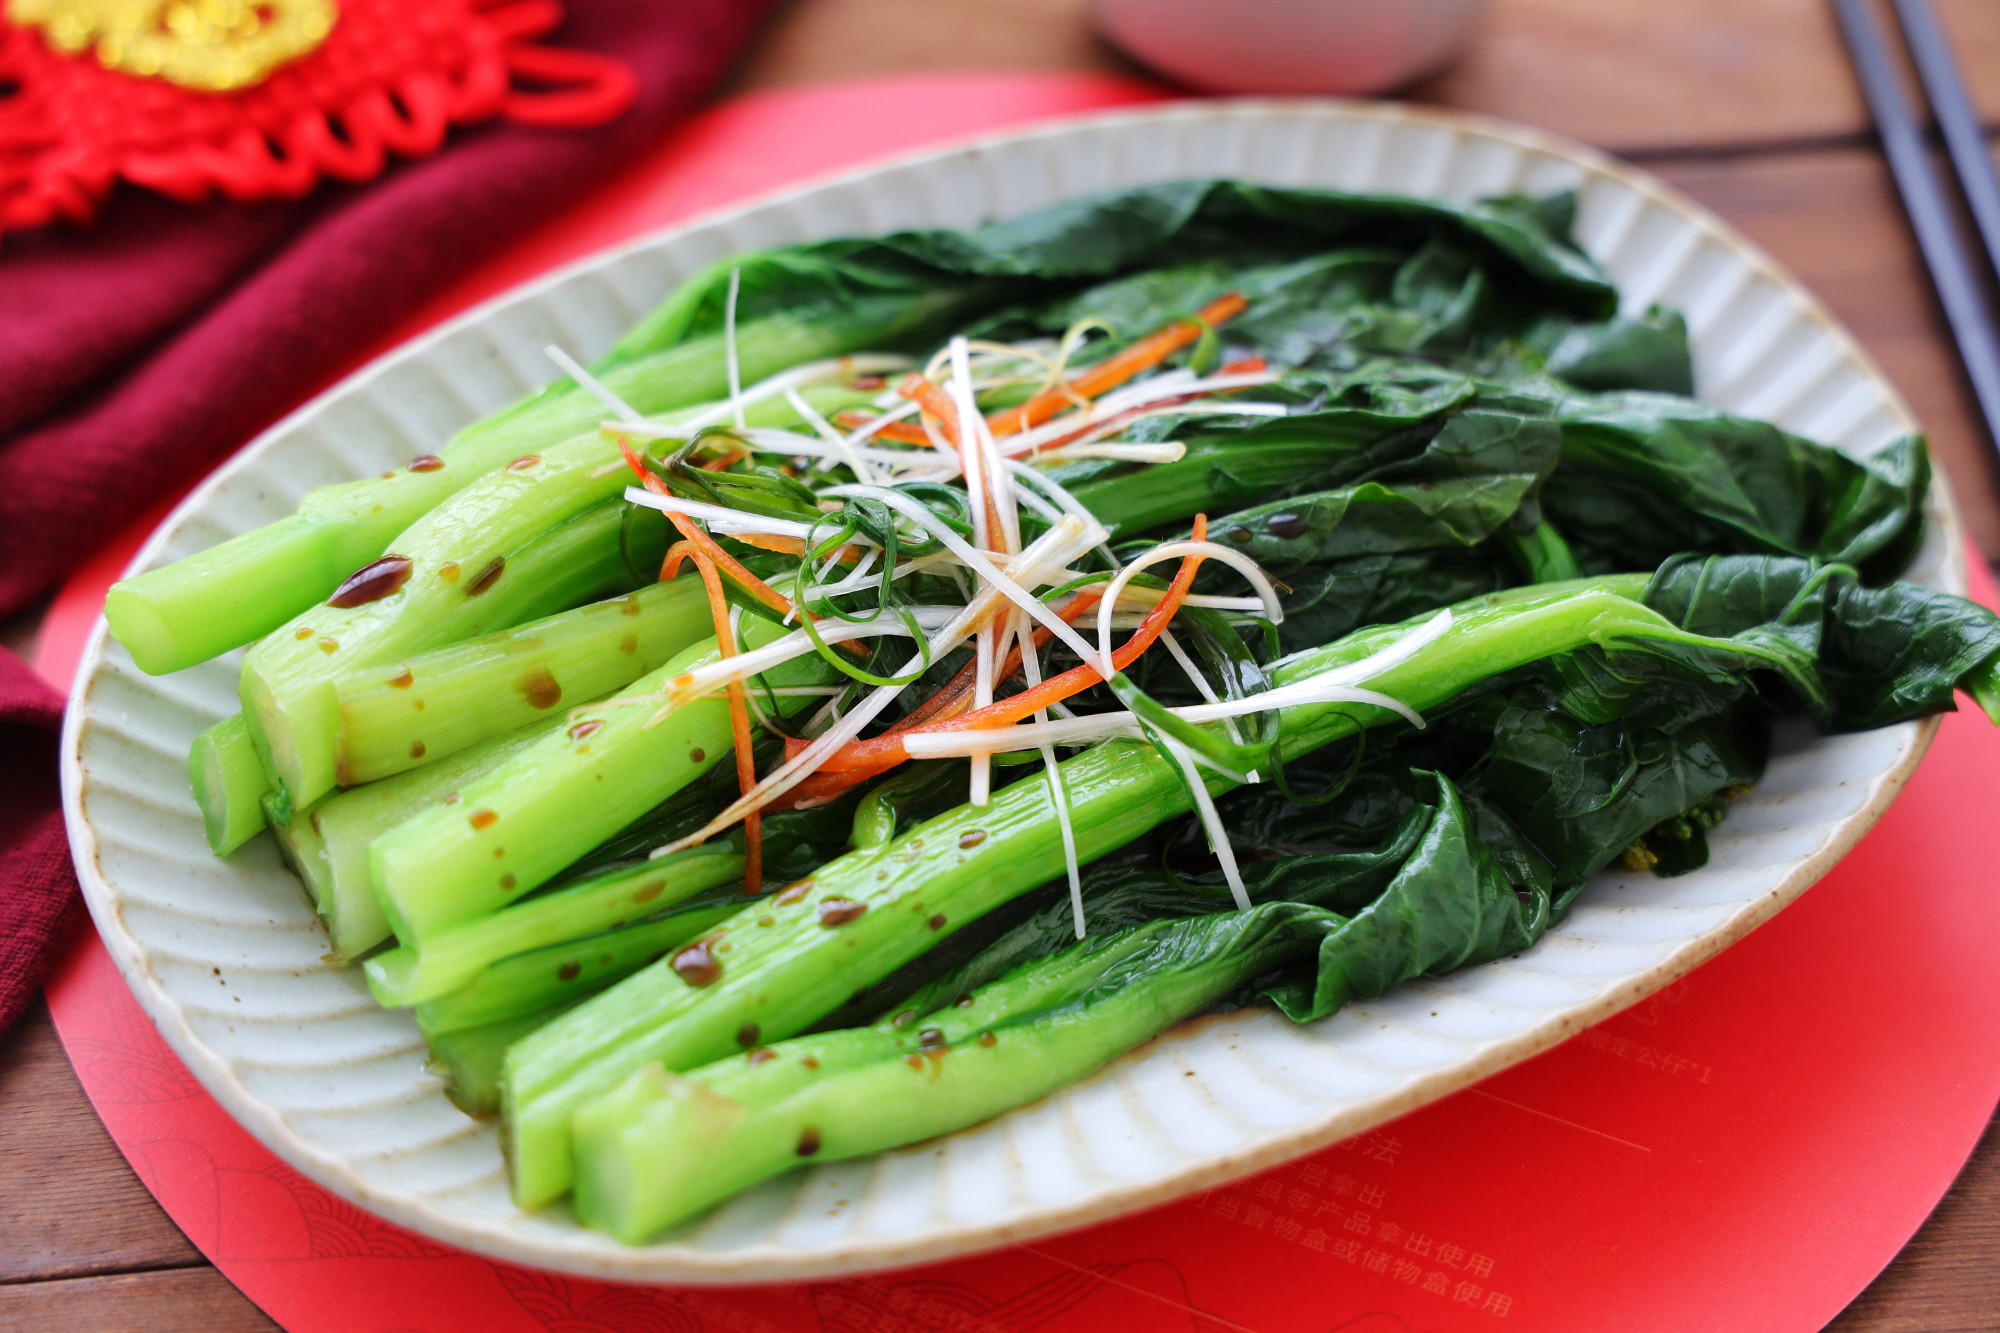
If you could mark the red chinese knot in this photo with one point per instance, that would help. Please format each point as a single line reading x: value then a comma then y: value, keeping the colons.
x: 389, y: 76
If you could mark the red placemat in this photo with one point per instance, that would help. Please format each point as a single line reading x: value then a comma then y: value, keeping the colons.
x: 1744, y: 1150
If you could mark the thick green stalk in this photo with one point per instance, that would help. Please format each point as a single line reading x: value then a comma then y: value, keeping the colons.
x: 456, y: 958
x: 302, y: 848
x: 574, y: 968
x: 525, y: 822
x: 504, y: 550
x: 243, y: 589
x: 414, y: 710
x: 777, y: 980
x: 343, y: 825
x: 660, y: 1148
x: 468, y: 1060
x: 229, y: 784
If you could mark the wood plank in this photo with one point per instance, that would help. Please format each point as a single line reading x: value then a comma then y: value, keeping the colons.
x: 1635, y: 78
x: 1690, y: 75
x: 176, y: 1298
x: 1831, y: 217
x: 1948, y: 1279
x: 71, y: 1205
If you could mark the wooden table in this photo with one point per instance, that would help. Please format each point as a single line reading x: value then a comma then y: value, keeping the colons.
x: 1745, y: 104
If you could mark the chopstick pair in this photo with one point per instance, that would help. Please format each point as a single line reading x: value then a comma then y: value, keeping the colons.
x: 1955, y: 273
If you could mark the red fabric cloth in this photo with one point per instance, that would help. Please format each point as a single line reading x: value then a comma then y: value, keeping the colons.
x: 38, y: 898
x: 135, y: 354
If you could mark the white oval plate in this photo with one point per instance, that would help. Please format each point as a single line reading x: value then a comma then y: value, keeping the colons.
x: 225, y: 955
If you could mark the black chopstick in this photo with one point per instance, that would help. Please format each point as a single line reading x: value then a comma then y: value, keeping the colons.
x: 1953, y: 272
x: 1931, y: 51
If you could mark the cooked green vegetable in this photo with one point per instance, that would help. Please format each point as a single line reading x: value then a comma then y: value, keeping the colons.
x: 412, y: 711
x: 477, y: 563
x: 341, y: 827
x: 587, y: 908
x: 659, y: 1148
x: 229, y: 784
x: 252, y: 585
x: 519, y: 826
x: 779, y: 979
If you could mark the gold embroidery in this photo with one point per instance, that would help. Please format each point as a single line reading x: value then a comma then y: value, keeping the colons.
x: 212, y: 46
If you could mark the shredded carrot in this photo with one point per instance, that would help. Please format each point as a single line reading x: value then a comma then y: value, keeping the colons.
x: 930, y: 395
x: 764, y: 541
x: 880, y: 750
x: 739, y: 722
x: 1114, y: 370
x: 670, y: 568
x: 904, y: 432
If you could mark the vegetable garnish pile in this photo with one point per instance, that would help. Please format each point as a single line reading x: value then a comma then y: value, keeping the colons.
x: 904, y: 674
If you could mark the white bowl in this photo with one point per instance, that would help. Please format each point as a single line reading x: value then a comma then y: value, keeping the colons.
x: 1291, y: 46
x: 225, y: 955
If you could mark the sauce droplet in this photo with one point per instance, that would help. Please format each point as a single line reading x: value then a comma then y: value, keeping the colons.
x: 402, y: 680
x: 1286, y: 525
x: 649, y: 891
x: 329, y: 645
x: 629, y: 645
x: 416, y: 749
x: 914, y: 1061
x: 1239, y: 535
x: 808, y: 1141
x: 767, y: 921
x: 524, y: 462
x: 762, y: 1054
x: 931, y: 1038
x: 839, y: 911
x: 587, y: 728
x: 448, y: 571
x: 426, y: 463
x: 794, y: 893
x: 486, y: 577
x: 987, y: 1039
x: 697, y: 755
x: 936, y: 922
x: 303, y: 634
x: 508, y: 882
x: 747, y: 1035
x: 696, y: 965
x: 568, y: 971
x: 372, y: 582
x: 482, y: 818
x: 539, y: 688
x: 810, y: 1062
x: 971, y: 838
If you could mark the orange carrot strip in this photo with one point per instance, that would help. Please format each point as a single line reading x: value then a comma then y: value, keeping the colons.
x: 1114, y: 370
x: 739, y: 723
x: 670, y: 568
x: 930, y: 395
